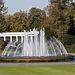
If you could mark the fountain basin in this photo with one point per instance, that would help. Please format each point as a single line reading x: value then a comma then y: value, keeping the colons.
x: 37, y: 59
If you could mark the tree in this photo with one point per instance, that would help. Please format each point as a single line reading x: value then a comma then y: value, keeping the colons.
x: 9, y: 22
x: 3, y: 9
x: 70, y: 19
x: 56, y: 12
x: 36, y: 18
x: 49, y: 33
x: 19, y: 20
x: 2, y: 23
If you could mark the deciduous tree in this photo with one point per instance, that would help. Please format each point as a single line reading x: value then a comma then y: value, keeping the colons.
x: 36, y: 18
x: 70, y: 19
x: 19, y: 20
x: 9, y: 22
x: 3, y: 10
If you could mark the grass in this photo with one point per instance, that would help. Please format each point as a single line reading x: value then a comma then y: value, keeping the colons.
x: 38, y: 70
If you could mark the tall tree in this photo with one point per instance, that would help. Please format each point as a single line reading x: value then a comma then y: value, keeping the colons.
x: 9, y: 22
x: 70, y: 19
x: 19, y: 20
x: 3, y: 10
x: 56, y: 12
x: 2, y: 23
x: 36, y: 18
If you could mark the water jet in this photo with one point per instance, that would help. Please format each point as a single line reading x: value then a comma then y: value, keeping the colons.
x: 35, y: 48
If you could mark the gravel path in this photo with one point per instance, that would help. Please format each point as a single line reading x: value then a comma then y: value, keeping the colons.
x: 31, y: 64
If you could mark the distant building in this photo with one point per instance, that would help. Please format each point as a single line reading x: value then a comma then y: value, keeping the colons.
x: 12, y: 36
x: 16, y: 36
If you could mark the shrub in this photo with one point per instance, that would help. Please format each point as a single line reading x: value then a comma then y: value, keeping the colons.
x: 3, y: 44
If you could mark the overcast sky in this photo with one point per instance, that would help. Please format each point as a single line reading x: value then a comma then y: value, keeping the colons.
x: 16, y: 5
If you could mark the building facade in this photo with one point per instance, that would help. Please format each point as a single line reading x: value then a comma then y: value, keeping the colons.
x: 16, y: 36
x: 12, y: 36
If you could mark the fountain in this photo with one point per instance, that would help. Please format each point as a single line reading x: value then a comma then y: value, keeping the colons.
x: 35, y: 48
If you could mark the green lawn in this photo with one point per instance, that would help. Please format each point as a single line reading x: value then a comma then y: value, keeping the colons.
x: 38, y: 70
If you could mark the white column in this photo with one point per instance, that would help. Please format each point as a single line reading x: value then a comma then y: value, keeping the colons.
x: 10, y: 38
x: 4, y: 38
x: 36, y: 37
x: 22, y: 39
x: 16, y: 38
x: 31, y: 45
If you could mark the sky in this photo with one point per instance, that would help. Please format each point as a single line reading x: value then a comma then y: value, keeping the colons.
x: 25, y: 5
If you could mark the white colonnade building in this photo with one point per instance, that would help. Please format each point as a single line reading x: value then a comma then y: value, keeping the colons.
x: 16, y: 36
x: 12, y: 36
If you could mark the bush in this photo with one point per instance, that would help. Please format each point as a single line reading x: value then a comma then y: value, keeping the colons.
x: 3, y: 44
